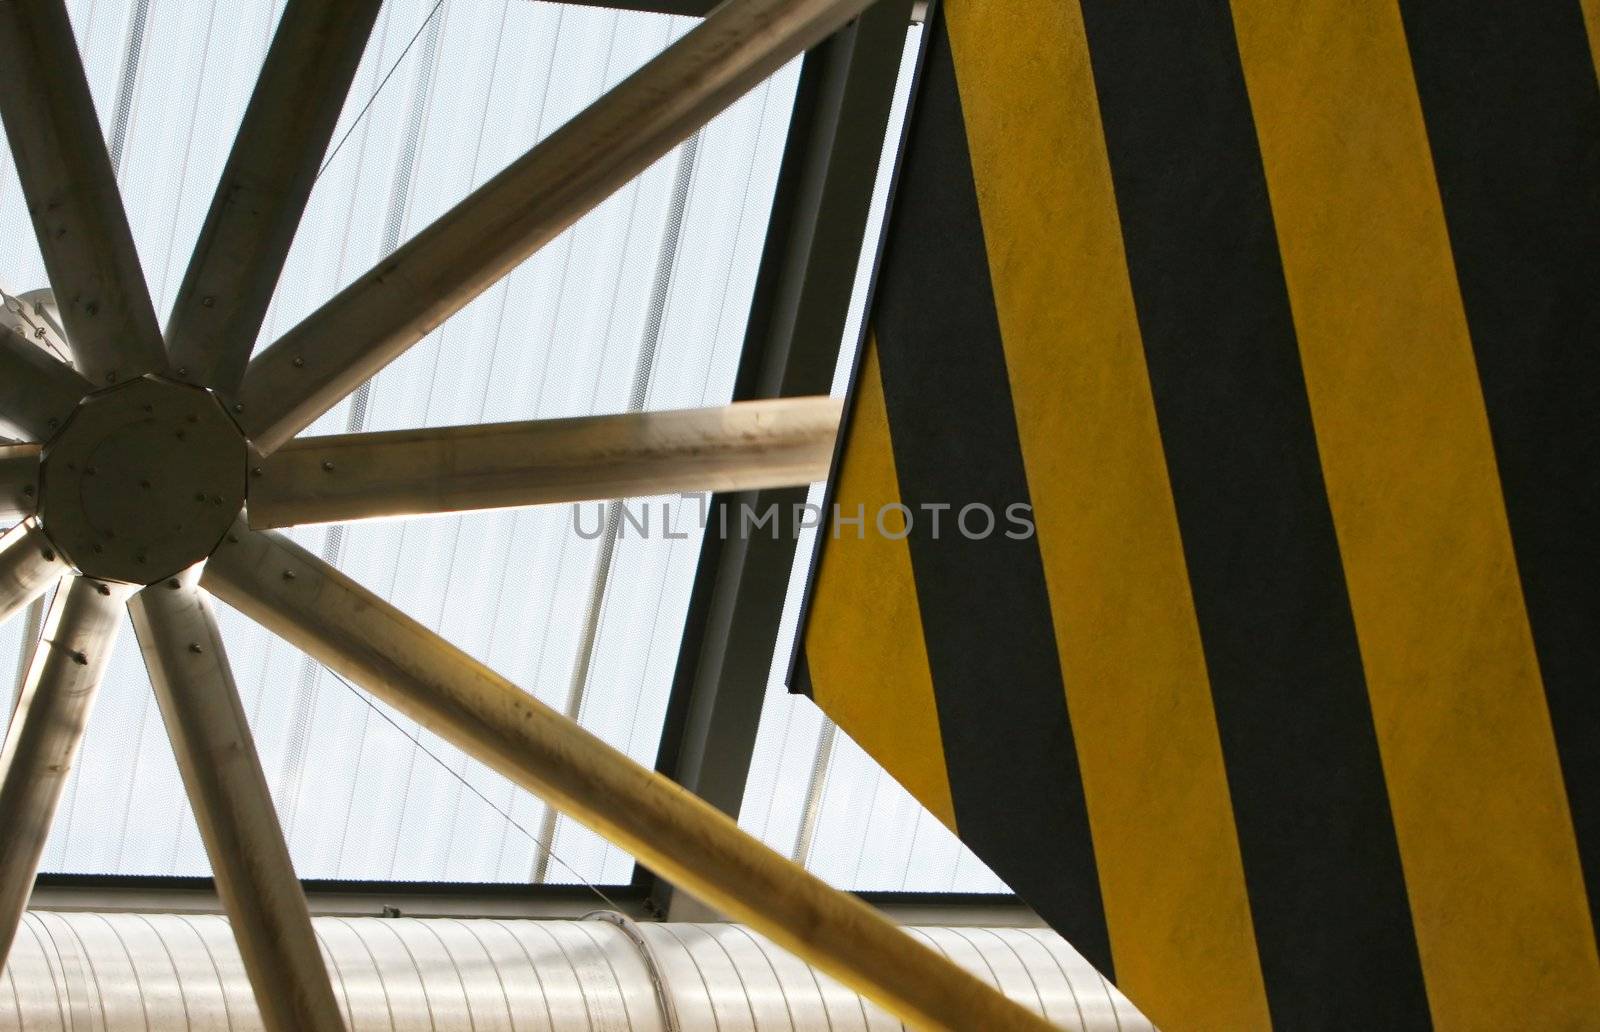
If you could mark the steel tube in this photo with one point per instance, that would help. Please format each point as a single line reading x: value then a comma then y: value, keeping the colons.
x: 498, y: 465
x: 72, y: 195
x: 216, y: 754
x: 43, y: 738
x: 303, y: 599
x: 37, y: 393
x: 19, y: 481
x: 29, y: 564
x: 123, y: 971
x: 264, y: 188
x: 484, y: 237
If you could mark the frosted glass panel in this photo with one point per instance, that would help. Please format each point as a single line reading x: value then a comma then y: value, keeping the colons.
x: 642, y: 304
x: 813, y: 794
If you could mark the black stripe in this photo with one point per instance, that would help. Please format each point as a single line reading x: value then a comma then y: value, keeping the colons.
x: 1513, y: 114
x: 985, y: 611
x: 1316, y: 835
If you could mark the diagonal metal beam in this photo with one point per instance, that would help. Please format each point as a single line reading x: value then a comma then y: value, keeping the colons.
x: 222, y: 773
x: 416, y: 288
x: 19, y: 481
x: 303, y: 599
x: 264, y: 188
x: 498, y: 465
x: 72, y: 195
x: 37, y: 392
x: 45, y: 731
x: 29, y: 564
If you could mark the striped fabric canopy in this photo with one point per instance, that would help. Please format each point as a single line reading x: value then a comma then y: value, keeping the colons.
x: 1283, y: 320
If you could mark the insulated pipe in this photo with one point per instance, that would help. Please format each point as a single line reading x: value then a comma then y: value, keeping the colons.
x: 174, y: 972
x: 368, y: 641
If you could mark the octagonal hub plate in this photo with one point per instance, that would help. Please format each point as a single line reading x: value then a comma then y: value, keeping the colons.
x: 143, y: 481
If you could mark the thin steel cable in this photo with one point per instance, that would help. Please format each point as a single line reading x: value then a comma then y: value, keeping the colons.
x: 401, y: 188
x: 416, y: 741
x: 381, y: 84
x: 599, y: 602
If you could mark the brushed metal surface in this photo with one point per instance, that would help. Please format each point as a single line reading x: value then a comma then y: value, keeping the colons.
x: 46, y: 729
x: 72, y: 194
x: 216, y: 755
x: 19, y: 481
x: 472, y: 246
x: 754, y: 444
x: 329, y: 616
x: 143, y: 480
x: 115, y: 972
x: 29, y: 564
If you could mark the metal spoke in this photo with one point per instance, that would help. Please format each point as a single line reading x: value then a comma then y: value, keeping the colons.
x: 351, y: 630
x: 72, y: 195
x: 29, y: 564
x: 46, y: 729
x: 217, y: 756
x: 37, y: 393
x: 484, y: 237
x: 748, y: 445
x: 264, y: 188
x: 19, y: 481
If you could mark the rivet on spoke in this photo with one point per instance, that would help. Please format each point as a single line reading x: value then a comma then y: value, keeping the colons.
x: 102, y: 589
x: 194, y: 647
x: 111, y: 377
x: 233, y: 539
x: 174, y: 584
x: 27, y: 490
x: 208, y: 301
x: 80, y: 659
x: 288, y: 575
x: 327, y: 465
x: 183, y: 371
x: 299, y: 363
x: 49, y: 556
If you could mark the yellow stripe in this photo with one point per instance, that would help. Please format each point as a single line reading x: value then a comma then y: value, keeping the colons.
x: 869, y: 667
x: 1137, y: 690
x: 1485, y: 836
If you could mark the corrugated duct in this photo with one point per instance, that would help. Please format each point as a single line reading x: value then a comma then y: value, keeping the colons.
x: 111, y: 972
